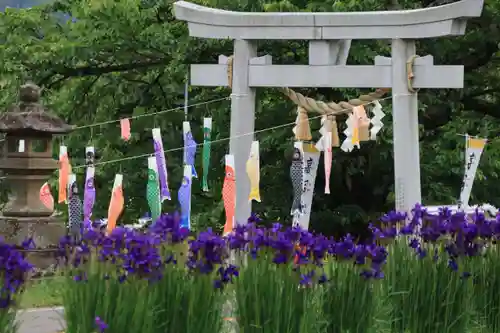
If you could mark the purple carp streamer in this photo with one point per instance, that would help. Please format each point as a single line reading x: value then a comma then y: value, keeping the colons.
x: 161, y: 164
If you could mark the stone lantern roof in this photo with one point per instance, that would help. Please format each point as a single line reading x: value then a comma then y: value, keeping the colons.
x: 30, y: 116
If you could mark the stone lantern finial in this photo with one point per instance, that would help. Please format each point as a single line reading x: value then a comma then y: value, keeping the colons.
x: 29, y: 93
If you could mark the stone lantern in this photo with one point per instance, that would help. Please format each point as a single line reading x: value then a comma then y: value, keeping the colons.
x: 27, y: 162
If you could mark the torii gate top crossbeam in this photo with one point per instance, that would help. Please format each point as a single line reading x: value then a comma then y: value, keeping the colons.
x: 410, y: 24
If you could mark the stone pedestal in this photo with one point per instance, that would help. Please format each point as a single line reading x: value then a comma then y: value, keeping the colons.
x: 45, y: 232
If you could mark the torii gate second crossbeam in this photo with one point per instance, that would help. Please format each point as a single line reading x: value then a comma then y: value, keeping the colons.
x: 329, y: 36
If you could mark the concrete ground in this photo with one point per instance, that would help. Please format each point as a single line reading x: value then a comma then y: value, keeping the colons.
x: 45, y: 320
x: 50, y: 320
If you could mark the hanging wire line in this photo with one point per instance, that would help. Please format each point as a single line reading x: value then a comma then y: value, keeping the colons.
x: 272, y: 128
x: 153, y: 113
x: 184, y: 107
x: 473, y: 136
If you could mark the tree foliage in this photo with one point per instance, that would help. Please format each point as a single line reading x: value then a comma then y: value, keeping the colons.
x: 103, y: 60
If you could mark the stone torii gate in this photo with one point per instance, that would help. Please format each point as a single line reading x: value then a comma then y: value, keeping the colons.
x: 330, y: 36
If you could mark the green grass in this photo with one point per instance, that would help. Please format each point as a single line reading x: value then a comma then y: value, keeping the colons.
x: 43, y: 293
x: 48, y: 293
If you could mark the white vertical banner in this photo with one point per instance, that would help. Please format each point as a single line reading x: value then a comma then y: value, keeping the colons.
x: 311, y: 161
x: 473, y: 150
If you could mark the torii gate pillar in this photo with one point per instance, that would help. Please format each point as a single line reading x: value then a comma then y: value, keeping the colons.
x: 407, y: 186
x: 242, y: 123
x: 329, y: 36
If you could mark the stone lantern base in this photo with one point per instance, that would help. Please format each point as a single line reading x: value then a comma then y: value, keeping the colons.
x: 45, y: 232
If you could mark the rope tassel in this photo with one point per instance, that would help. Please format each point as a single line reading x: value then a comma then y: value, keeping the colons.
x: 331, y: 126
x: 302, y: 130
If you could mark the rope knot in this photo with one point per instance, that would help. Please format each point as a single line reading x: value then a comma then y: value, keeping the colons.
x: 230, y: 60
x: 409, y: 73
